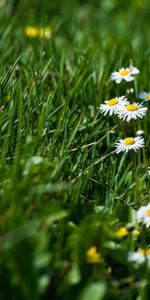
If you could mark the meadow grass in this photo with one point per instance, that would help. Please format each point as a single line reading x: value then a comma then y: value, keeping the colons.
x: 63, y: 189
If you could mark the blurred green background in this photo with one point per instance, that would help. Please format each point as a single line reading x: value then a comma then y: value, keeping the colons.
x: 125, y: 21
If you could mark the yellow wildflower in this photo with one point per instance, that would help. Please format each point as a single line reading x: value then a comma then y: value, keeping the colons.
x: 135, y: 232
x: 31, y: 32
x: 93, y: 256
x: 45, y: 32
x: 121, y: 232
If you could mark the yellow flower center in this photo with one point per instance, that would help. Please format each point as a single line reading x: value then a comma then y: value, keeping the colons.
x: 124, y: 72
x: 112, y: 102
x: 147, y: 96
x: 129, y: 141
x: 147, y: 251
x: 131, y: 107
x: 148, y: 212
x: 122, y: 232
x: 141, y: 251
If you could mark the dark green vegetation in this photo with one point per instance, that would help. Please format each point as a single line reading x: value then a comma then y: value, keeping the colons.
x: 62, y: 189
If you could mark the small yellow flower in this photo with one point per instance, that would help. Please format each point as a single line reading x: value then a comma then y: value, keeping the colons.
x: 135, y: 232
x: 45, y: 32
x: 93, y: 256
x: 122, y: 231
x: 31, y: 32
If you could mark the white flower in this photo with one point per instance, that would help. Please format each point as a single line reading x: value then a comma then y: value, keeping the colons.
x: 139, y: 257
x: 143, y: 215
x: 132, y: 111
x: 140, y: 132
x: 136, y: 257
x: 145, y: 96
x: 148, y: 171
x: 129, y: 143
x: 111, y: 106
x: 124, y: 73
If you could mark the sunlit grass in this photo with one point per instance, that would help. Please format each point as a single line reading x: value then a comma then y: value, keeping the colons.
x: 69, y: 202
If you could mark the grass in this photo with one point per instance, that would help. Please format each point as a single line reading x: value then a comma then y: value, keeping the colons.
x: 62, y: 187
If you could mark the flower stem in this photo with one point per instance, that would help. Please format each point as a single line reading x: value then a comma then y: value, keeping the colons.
x: 135, y: 177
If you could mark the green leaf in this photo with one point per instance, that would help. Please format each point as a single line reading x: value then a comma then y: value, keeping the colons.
x: 94, y: 291
x: 74, y: 275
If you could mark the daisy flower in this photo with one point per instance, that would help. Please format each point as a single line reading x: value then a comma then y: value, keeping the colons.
x: 132, y: 111
x: 145, y: 96
x: 111, y: 106
x: 129, y: 143
x: 143, y: 215
x: 124, y: 73
x: 139, y: 257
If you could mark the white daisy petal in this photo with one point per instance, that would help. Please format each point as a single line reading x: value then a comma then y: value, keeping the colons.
x: 136, y: 257
x: 129, y: 78
x: 118, y: 80
x: 143, y: 215
x: 129, y: 143
x: 139, y: 257
x: 114, y: 74
x: 134, y: 70
x: 146, y: 221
